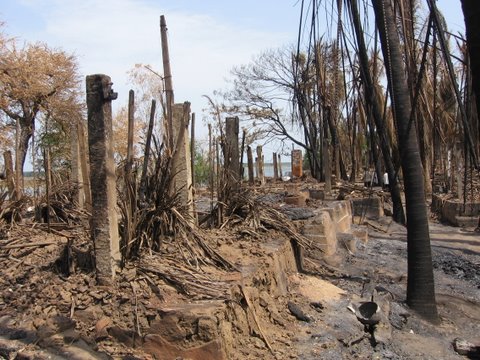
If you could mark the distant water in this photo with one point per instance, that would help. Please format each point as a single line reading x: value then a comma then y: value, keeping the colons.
x: 268, y: 169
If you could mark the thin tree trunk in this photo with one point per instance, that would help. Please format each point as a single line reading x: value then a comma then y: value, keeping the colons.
x: 372, y: 99
x: 251, y: 175
x: 146, y: 156
x: 420, y: 285
x: 168, y: 81
x: 48, y: 183
x: 131, y: 125
x: 24, y: 134
x: 451, y: 72
x: 9, y: 173
x: 353, y: 174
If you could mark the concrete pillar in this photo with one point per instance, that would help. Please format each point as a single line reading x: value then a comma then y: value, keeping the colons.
x: 9, y: 174
x: 181, y: 162
x: 251, y: 176
x: 104, y: 223
x: 261, y: 175
x: 84, y: 165
x: 232, y: 156
x: 297, y: 163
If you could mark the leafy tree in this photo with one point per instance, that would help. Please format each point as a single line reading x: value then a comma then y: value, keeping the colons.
x: 36, y: 81
x: 201, y: 165
x: 120, y: 129
x: 7, y: 131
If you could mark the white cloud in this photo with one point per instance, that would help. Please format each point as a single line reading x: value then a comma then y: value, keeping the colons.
x: 110, y: 36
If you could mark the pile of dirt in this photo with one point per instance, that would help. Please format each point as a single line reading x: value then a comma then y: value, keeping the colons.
x: 165, y: 305
x: 51, y: 305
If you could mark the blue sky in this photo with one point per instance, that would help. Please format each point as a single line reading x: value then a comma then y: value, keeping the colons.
x: 207, y: 37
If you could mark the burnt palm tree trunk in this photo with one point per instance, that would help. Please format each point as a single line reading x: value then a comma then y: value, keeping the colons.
x: 420, y: 286
x: 471, y: 12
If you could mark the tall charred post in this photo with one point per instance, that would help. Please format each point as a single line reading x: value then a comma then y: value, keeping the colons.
x: 104, y: 223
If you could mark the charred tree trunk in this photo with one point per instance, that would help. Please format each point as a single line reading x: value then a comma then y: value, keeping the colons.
x: 372, y: 99
x: 471, y: 11
x: 353, y: 174
x: 420, y: 286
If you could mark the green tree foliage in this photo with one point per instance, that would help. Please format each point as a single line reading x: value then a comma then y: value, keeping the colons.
x: 201, y: 165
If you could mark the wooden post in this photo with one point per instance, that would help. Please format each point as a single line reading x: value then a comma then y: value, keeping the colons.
x: 217, y: 164
x: 104, y: 224
x: 9, y: 175
x: 192, y: 149
x: 211, y: 164
x: 167, y: 78
x: 146, y: 156
x: 231, y: 156
x: 48, y: 181
x: 251, y: 176
x: 130, y: 188
x: 131, y: 125
x: 280, y: 165
x: 261, y: 175
x: 242, y: 150
x: 219, y: 184
x: 262, y: 166
x: 297, y: 163
x: 275, y: 167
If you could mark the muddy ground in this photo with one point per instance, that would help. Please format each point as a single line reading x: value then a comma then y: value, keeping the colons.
x: 50, y: 309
